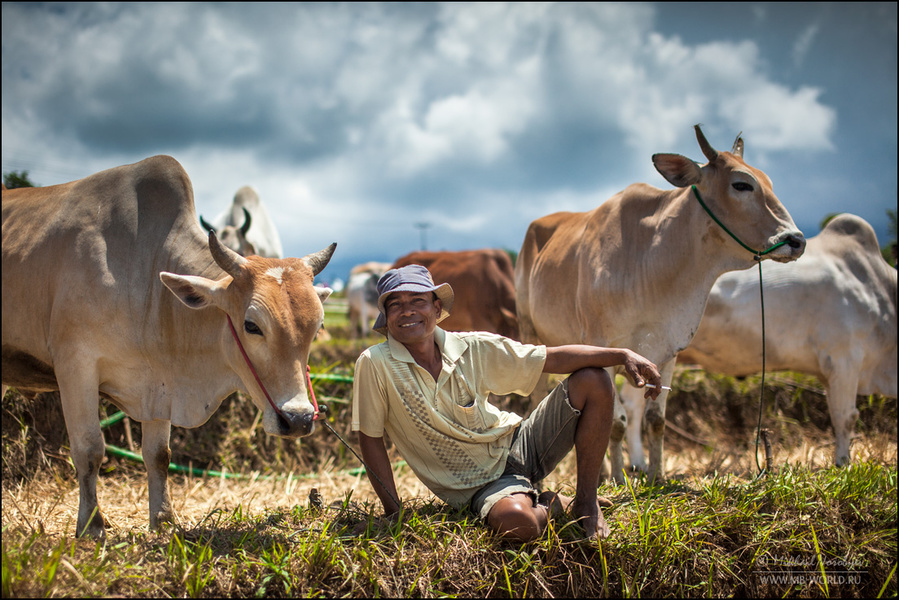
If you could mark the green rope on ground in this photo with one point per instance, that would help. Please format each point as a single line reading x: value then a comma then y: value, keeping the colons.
x: 121, y: 452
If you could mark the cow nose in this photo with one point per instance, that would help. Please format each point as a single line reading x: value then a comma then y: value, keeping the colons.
x: 795, y: 242
x: 295, y: 424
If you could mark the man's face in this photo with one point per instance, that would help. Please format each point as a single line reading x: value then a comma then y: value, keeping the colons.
x: 412, y: 316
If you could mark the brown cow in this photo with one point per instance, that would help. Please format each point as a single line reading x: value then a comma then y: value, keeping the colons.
x: 483, y: 283
x: 110, y: 287
x: 636, y: 271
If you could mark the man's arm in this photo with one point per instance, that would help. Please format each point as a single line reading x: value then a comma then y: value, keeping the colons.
x: 570, y: 358
x: 377, y: 465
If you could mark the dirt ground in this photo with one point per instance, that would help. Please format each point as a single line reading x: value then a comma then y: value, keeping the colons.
x: 48, y: 501
x: 711, y: 430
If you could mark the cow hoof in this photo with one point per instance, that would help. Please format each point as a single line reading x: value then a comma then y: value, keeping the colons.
x: 161, y: 520
x: 95, y: 529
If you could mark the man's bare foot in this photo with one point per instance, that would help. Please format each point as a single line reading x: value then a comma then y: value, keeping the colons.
x: 592, y: 520
x: 556, y: 504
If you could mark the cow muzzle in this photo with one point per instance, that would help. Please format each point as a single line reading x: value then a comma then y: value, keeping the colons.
x: 295, y: 419
x: 792, y: 246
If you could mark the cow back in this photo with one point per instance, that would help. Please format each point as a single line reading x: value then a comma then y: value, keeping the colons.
x: 483, y: 285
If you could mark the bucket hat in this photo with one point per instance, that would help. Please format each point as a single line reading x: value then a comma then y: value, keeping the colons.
x: 411, y: 278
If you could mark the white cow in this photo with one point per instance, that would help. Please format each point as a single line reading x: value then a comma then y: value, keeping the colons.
x: 111, y: 288
x: 831, y: 314
x: 635, y: 272
x: 234, y: 237
x: 362, y: 296
x: 246, y: 226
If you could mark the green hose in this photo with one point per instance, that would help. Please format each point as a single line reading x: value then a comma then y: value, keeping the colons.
x: 121, y: 452
x: 224, y: 474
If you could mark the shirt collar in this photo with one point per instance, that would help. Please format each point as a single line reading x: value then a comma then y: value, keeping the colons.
x: 451, y: 346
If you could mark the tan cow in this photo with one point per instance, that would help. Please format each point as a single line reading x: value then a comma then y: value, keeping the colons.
x: 831, y: 314
x: 635, y: 272
x: 110, y: 287
x: 362, y: 296
x: 482, y: 281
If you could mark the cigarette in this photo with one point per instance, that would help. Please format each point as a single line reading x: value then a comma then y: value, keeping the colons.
x: 649, y: 385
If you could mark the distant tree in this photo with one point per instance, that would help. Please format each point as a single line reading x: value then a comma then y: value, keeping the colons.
x: 828, y: 218
x: 891, y: 214
x: 17, y: 179
x: 889, y: 251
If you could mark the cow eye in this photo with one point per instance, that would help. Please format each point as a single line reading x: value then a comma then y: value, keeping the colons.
x: 251, y: 327
x: 741, y: 186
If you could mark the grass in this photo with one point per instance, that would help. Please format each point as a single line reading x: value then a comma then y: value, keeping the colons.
x: 799, y: 532
x: 714, y: 528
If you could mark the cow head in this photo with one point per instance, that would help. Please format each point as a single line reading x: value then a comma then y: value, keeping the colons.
x: 739, y: 195
x: 276, y: 313
x: 233, y: 237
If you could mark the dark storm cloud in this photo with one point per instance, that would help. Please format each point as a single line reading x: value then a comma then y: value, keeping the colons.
x: 358, y: 121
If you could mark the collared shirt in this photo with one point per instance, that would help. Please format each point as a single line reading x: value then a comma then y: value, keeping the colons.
x: 451, y: 437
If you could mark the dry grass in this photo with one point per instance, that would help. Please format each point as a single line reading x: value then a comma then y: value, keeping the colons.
x: 699, y: 534
x: 48, y: 502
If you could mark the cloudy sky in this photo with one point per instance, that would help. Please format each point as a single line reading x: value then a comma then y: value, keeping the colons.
x: 387, y: 126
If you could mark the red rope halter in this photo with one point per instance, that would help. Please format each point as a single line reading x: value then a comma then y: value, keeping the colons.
x: 259, y: 381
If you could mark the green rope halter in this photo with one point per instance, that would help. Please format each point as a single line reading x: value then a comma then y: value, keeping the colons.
x: 758, y: 257
x: 758, y: 254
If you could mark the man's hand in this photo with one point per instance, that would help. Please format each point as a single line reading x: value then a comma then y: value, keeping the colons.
x: 641, y: 371
x: 571, y: 357
x: 376, y: 524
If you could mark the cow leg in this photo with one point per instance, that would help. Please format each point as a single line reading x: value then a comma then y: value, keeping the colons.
x: 655, y: 424
x: 364, y: 320
x: 157, y: 455
x: 353, y: 318
x: 616, y: 438
x: 80, y: 403
x: 841, y: 394
x: 634, y: 404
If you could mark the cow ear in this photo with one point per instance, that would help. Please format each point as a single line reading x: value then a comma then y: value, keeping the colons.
x: 679, y: 170
x: 194, y: 292
x: 323, y: 292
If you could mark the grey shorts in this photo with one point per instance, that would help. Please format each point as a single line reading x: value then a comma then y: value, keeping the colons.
x: 539, y: 443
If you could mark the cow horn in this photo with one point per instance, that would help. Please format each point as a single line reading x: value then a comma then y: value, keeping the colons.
x: 318, y: 261
x: 206, y: 225
x: 246, y: 222
x: 709, y: 152
x: 738, y: 146
x: 230, y: 261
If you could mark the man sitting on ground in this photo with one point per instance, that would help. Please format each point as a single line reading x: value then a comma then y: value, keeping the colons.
x: 427, y: 388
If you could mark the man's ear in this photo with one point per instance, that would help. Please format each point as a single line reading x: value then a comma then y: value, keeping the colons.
x: 194, y: 292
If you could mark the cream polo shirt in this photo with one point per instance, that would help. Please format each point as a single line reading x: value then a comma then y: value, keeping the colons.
x: 452, y: 438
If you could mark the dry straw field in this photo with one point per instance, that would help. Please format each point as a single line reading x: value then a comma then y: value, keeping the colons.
x: 714, y: 528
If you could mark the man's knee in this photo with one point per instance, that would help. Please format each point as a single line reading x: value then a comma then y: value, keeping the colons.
x: 590, y: 384
x: 516, y: 518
